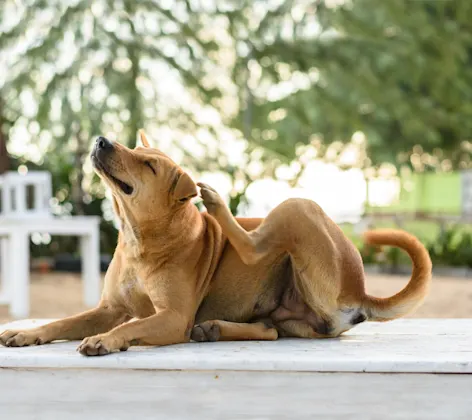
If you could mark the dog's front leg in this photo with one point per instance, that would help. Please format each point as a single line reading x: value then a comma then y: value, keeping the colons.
x: 95, y: 321
x: 165, y: 327
x: 173, y: 298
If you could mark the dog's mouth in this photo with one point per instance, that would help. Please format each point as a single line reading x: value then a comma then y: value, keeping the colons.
x: 126, y: 188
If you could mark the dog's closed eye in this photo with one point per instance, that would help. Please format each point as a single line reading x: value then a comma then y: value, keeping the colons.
x: 148, y: 164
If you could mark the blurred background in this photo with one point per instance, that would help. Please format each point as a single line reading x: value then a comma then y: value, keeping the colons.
x: 364, y: 106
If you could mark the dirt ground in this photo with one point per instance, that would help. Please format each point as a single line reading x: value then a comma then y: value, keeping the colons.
x: 57, y: 295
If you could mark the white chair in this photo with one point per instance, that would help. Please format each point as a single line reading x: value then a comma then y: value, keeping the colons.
x: 26, y: 210
x: 15, y: 187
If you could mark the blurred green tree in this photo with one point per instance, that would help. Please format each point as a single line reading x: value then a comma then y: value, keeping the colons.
x: 85, y: 68
x: 397, y: 70
x: 72, y: 70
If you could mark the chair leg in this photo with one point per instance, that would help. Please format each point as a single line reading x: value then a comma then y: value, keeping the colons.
x: 18, y: 273
x: 90, y: 254
x: 5, y: 295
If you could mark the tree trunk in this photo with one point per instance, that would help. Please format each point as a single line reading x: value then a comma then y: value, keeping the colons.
x: 136, y: 120
x: 77, y: 189
x: 4, y: 157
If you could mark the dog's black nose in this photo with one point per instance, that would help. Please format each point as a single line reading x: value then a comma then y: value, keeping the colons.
x: 104, y: 144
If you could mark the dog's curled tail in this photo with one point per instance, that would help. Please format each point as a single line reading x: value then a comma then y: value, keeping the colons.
x: 408, y: 299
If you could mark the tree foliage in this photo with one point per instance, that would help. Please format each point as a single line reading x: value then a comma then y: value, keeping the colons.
x: 87, y: 69
x: 397, y: 70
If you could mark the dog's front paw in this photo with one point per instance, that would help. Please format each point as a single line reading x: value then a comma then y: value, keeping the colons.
x: 211, y: 199
x: 206, y: 331
x: 102, y: 344
x: 11, y: 338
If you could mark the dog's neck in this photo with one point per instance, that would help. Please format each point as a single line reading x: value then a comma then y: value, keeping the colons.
x: 187, y: 239
x: 161, y: 235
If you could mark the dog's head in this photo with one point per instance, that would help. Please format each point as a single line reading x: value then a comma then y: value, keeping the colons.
x: 145, y: 182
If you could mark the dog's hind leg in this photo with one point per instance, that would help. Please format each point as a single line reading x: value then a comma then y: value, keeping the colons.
x: 92, y: 322
x: 315, y: 244
x: 218, y: 330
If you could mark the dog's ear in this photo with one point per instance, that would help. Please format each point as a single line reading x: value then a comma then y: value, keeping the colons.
x: 143, y: 138
x: 185, y: 188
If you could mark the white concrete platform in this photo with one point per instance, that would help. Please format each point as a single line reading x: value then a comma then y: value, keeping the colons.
x: 375, y: 371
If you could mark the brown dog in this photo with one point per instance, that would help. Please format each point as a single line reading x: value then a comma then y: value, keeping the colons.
x: 209, y: 276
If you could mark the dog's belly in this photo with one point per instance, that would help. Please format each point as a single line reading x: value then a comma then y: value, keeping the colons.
x: 267, y: 291
x: 240, y: 292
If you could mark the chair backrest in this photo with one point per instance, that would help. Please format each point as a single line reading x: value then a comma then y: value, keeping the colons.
x: 26, y: 195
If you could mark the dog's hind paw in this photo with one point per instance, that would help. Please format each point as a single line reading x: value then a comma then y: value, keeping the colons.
x: 211, y: 199
x: 206, y: 331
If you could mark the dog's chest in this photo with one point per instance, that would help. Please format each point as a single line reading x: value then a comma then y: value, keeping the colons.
x: 135, y: 298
